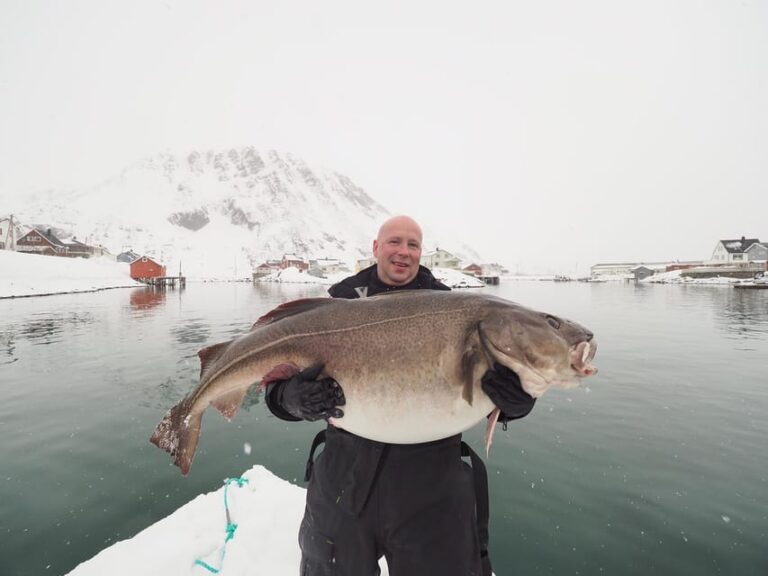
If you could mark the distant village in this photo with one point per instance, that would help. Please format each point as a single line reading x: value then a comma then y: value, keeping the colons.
x: 733, y: 258
x: 42, y: 240
x: 439, y: 258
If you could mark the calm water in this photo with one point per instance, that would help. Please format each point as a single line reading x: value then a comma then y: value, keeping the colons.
x: 658, y: 466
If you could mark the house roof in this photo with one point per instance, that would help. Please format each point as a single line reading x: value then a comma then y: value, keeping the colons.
x: 47, y: 234
x: 148, y: 258
x: 738, y: 245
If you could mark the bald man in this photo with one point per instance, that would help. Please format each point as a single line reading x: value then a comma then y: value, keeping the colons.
x: 418, y: 505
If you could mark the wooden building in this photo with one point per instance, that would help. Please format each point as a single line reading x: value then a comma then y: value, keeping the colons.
x: 146, y: 267
x: 293, y: 261
x: 739, y: 250
x: 38, y: 241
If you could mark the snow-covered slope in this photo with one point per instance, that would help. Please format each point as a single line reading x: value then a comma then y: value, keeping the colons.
x: 34, y: 275
x: 217, y: 213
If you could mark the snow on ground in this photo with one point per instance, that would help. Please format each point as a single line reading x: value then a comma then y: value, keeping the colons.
x: 675, y: 277
x: 36, y: 275
x: 456, y: 279
x: 266, y: 509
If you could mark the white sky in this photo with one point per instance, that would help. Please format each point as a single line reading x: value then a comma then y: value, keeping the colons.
x: 562, y: 132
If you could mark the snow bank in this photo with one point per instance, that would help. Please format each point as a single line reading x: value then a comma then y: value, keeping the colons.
x: 456, y: 278
x: 293, y: 275
x: 267, y: 511
x: 675, y: 277
x: 36, y: 275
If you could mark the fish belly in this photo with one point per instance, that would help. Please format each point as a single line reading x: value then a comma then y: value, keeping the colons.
x: 412, y: 422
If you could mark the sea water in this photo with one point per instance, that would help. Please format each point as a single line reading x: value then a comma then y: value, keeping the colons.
x: 657, y: 465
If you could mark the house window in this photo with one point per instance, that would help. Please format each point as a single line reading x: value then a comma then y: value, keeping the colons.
x: 738, y: 256
x: 143, y: 259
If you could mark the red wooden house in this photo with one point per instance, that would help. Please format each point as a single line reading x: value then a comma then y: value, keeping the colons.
x: 145, y: 267
x: 38, y: 241
x: 293, y: 261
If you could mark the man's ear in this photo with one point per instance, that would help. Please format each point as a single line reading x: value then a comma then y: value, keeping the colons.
x: 375, y: 248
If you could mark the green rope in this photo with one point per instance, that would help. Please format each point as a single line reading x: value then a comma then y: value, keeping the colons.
x: 230, y: 529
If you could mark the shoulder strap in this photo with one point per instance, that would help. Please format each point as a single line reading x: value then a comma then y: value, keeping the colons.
x: 481, y: 504
x: 319, y: 439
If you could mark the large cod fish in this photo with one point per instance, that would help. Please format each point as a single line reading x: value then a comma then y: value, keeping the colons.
x: 409, y: 363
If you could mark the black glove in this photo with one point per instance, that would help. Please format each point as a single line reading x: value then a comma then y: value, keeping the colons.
x: 503, y: 387
x: 304, y: 397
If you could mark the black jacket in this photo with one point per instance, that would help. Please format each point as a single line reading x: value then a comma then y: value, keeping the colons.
x: 366, y: 283
x: 356, y: 459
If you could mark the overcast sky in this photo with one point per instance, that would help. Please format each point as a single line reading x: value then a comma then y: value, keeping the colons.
x: 563, y: 132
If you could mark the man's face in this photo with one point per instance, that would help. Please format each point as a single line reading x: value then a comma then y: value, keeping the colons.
x: 397, y: 251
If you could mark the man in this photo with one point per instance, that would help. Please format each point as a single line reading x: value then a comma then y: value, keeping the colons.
x: 418, y: 505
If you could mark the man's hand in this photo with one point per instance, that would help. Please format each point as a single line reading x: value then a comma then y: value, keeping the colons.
x: 305, y: 397
x: 503, y: 387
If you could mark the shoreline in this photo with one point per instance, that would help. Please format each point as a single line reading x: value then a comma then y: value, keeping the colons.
x: 66, y: 292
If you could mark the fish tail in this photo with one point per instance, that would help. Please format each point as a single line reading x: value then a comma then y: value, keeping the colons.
x: 178, y: 433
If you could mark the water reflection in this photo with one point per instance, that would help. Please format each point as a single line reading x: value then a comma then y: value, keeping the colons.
x: 7, y: 347
x: 741, y: 313
x: 49, y: 329
x: 147, y: 298
x: 192, y: 331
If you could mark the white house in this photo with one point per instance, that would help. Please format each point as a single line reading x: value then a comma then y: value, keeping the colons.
x: 730, y: 251
x: 327, y: 266
x: 757, y: 251
x: 440, y: 259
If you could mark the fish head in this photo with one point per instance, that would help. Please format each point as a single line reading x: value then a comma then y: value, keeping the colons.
x: 542, y: 349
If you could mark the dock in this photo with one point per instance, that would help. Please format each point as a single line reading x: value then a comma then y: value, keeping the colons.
x: 165, y: 281
x: 490, y: 280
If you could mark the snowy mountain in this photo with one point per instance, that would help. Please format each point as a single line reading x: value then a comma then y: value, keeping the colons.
x: 218, y: 214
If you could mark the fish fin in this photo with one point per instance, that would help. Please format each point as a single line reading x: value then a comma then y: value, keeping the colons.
x: 473, y: 364
x: 490, y: 428
x: 210, y: 354
x: 485, y: 344
x: 468, y: 368
x: 292, y: 308
x: 178, y: 434
x: 228, y: 404
x: 279, y: 372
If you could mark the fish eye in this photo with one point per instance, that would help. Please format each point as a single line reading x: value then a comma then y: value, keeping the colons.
x: 554, y: 322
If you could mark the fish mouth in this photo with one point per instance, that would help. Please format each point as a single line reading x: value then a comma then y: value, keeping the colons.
x: 581, y: 356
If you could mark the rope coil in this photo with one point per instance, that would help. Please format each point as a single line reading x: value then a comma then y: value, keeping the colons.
x: 230, y: 529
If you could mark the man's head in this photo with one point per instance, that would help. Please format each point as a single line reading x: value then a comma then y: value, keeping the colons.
x: 397, y: 250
